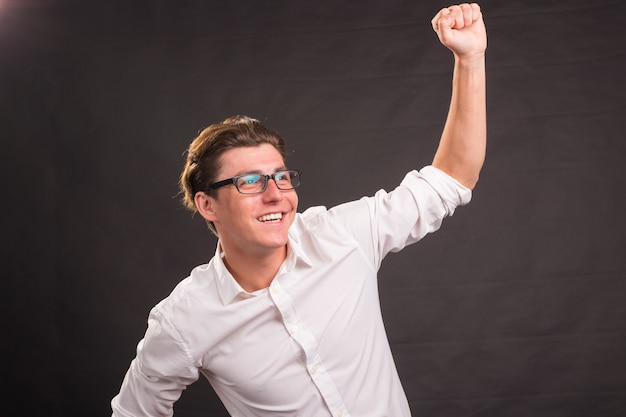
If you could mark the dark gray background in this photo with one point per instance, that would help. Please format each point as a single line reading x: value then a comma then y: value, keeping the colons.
x: 515, y: 308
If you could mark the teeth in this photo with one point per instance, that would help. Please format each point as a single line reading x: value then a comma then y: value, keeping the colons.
x: 270, y: 217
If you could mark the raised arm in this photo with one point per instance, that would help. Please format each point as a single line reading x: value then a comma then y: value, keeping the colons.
x: 461, y: 150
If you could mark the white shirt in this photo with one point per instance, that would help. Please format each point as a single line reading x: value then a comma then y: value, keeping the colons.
x: 313, y: 343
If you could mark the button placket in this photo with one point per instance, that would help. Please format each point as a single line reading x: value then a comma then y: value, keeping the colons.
x: 307, y: 341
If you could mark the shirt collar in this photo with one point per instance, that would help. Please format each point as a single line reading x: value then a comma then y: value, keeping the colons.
x: 229, y: 289
x: 296, y: 254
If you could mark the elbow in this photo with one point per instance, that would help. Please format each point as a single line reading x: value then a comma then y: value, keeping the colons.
x: 470, y: 182
x: 466, y: 177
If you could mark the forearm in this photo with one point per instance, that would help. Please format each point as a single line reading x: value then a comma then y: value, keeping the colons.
x: 461, y: 150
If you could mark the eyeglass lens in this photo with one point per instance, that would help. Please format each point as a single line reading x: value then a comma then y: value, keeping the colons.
x: 256, y: 183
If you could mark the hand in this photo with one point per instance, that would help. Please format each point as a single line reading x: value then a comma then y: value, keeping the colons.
x: 461, y: 29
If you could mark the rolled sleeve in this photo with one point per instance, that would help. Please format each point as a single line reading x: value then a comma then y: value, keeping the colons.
x: 452, y: 192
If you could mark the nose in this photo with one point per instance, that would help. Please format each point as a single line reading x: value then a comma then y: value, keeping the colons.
x: 272, y: 192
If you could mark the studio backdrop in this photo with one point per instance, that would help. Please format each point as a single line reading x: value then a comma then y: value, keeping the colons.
x: 514, y: 308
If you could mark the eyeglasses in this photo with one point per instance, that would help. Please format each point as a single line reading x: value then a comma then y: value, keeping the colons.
x: 257, y: 183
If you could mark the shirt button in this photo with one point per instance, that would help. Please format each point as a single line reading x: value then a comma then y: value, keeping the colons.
x: 314, y: 368
x: 339, y: 413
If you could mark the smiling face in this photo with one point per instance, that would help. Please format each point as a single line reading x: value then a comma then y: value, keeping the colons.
x: 251, y: 225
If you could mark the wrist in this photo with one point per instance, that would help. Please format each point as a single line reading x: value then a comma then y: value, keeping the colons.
x: 475, y: 60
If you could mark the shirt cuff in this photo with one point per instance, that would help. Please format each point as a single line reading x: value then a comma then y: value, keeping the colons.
x: 451, y: 191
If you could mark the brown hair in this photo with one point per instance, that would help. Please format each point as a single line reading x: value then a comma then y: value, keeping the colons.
x: 203, y: 154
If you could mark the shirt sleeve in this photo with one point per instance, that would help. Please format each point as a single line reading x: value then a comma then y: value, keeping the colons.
x: 162, y: 369
x: 389, y: 221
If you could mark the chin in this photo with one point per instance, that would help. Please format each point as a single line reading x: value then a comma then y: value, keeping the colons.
x: 277, y: 242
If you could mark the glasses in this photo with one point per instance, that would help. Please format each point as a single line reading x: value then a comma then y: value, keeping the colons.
x: 257, y: 183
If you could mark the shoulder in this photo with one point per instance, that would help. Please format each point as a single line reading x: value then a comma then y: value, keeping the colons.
x: 318, y: 220
x: 310, y: 218
x: 186, y: 315
x: 319, y: 225
x: 194, y: 291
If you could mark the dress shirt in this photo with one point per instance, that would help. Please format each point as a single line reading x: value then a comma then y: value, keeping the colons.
x: 311, y: 344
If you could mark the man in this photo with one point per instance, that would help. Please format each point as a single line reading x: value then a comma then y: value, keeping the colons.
x: 285, y: 319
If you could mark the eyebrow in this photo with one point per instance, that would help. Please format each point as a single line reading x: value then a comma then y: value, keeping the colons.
x: 258, y: 171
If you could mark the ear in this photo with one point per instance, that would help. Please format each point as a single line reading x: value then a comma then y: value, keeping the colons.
x: 204, y: 205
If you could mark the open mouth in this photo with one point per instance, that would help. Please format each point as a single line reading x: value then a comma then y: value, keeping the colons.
x: 272, y: 217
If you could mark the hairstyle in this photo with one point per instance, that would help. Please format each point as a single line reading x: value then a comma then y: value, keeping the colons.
x: 203, y: 155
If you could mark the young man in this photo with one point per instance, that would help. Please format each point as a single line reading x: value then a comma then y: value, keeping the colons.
x: 285, y: 319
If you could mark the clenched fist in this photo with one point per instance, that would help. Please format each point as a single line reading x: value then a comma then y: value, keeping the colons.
x: 461, y: 29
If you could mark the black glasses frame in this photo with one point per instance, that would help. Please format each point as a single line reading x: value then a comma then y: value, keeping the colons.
x: 293, y: 173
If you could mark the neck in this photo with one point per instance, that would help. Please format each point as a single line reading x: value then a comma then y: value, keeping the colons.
x: 254, y: 272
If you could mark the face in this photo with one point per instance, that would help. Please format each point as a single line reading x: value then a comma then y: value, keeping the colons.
x: 250, y: 224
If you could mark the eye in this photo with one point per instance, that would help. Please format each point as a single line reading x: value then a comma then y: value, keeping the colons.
x: 283, y: 177
x: 250, y: 179
x: 249, y: 182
